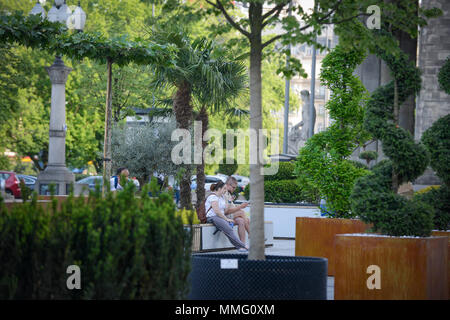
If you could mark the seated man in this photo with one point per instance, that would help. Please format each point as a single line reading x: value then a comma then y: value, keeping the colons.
x: 238, y: 215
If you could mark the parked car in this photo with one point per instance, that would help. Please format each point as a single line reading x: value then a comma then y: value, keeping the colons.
x: 2, y: 187
x: 12, y: 183
x: 91, y: 181
x: 209, y: 180
x: 30, y: 181
x: 242, y: 181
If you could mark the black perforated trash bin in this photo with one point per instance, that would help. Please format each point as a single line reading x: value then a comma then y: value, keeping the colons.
x: 234, y: 277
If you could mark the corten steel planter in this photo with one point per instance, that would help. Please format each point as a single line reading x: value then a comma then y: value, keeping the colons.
x: 234, y: 277
x: 409, y: 268
x: 314, y: 237
x: 445, y: 234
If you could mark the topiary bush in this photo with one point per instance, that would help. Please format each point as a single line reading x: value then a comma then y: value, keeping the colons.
x: 374, y: 198
x: 444, y: 76
x: 285, y: 172
x: 126, y: 248
x: 439, y: 199
x: 368, y: 156
x: 285, y: 191
x: 324, y: 161
x: 437, y: 141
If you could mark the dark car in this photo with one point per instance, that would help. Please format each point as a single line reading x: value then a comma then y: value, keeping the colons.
x: 30, y: 181
x: 12, y: 183
x: 91, y: 181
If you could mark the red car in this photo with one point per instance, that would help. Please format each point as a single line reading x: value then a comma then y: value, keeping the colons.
x: 12, y: 183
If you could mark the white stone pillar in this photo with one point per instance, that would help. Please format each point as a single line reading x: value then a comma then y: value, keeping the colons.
x: 56, y: 172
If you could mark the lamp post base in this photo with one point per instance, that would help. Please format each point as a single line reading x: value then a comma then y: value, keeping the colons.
x: 59, y: 176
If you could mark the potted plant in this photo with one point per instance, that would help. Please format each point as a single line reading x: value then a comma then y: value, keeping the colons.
x: 437, y: 141
x: 324, y: 164
x: 401, y: 261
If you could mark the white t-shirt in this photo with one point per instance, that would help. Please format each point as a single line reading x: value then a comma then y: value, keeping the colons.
x: 112, y: 187
x: 211, y: 198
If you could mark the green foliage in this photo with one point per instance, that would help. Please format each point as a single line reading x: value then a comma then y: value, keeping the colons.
x: 437, y: 141
x: 144, y: 149
x: 332, y: 176
x: 368, y: 155
x: 228, y: 169
x: 284, y: 191
x: 126, y: 248
x: 5, y: 163
x: 374, y: 198
x: 34, y: 32
x: 439, y: 199
x: 444, y: 76
x: 285, y: 172
x: 323, y: 161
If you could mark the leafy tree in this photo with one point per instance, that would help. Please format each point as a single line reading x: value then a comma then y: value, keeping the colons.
x: 144, y: 149
x: 324, y: 159
x: 338, y: 12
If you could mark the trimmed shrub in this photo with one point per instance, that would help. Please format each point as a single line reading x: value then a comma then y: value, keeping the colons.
x: 439, y: 199
x: 437, y: 141
x: 126, y: 248
x: 285, y: 172
x: 444, y: 76
x: 284, y: 191
x: 374, y: 198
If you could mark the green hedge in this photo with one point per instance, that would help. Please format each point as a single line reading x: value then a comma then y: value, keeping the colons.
x: 284, y: 191
x: 126, y: 248
x: 285, y: 172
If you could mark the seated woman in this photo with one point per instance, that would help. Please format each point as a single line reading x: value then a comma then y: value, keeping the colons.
x: 214, y: 206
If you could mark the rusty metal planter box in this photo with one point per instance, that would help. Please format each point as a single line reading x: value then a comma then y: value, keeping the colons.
x: 314, y: 237
x: 445, y: 234
x: 410, y: 268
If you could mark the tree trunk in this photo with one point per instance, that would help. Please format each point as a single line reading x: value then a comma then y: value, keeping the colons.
x: 395, y: 182
x: 108, y: 124
x: 409, y: 46
x: 203, y: 117
x: 256, y: 251
x: 183, y: 114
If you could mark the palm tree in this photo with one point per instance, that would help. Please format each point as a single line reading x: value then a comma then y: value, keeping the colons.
x: 200, y: 73
x: 231, y: 80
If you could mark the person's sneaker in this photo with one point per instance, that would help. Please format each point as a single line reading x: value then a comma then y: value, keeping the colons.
x: 243, y: 250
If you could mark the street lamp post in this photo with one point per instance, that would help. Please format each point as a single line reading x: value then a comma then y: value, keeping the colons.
x: 56, y: 172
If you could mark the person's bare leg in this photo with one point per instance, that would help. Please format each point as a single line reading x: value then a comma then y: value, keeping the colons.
x: 243, y: 215
x: 241, y: 228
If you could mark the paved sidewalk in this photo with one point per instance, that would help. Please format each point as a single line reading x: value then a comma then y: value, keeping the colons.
x: 282, y: 247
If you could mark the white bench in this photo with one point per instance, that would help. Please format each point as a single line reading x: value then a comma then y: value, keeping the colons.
x: 206, y: 238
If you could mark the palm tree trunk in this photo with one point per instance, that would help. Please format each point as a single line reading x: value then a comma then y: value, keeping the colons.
x: 183, y: 114
x: 256, y: 251
x: 203, y: 117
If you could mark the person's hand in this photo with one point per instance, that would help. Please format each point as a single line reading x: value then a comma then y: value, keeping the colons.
x: 230, y: 220
x: 243, y: 205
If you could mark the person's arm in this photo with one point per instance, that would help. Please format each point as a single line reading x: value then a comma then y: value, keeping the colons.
x: 232, y: 209
x: 215, y: 207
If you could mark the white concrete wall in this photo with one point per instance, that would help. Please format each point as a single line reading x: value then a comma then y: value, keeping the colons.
x: 283, y: 218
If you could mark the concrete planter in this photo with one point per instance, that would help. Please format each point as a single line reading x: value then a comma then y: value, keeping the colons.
x: 315, y: 236
x: 377, y: 267
x: 234, y: 277
x: 205, y: 238
x: 283, y: 217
